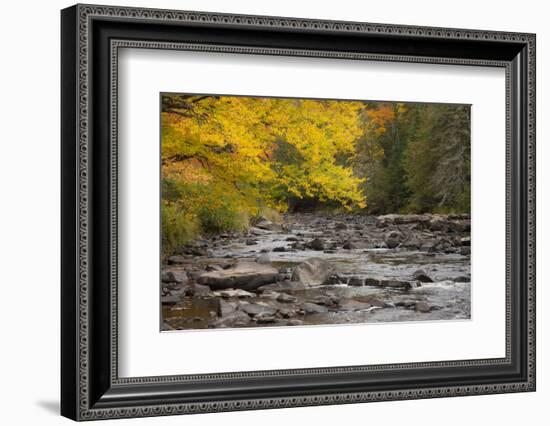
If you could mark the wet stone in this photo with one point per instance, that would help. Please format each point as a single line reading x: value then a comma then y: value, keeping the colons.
x: 422, y: 307
x: 176, y: 260
x: 356, y: 282
x: 286, y: 298
x: 254, y: 309
x: 313, y: 308
x: 422, y: 276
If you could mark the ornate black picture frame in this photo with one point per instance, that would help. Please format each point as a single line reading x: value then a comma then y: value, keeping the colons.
x: 91, y: 36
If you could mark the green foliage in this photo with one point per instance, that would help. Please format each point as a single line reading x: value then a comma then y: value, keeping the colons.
x: 437, y: 160
x: 178, y: 228
x: 221, y: 217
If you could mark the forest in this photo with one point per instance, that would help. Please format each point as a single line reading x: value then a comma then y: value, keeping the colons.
x: 228, y: 161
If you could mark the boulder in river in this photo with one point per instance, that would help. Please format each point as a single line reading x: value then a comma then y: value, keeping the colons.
x: 348, y: 245
x: 316, y: 244
x: 375, y: 282
x: 356, y: 281
x: 267, y: 225
x: 422, y: 307
x: 437, y: 224
x: 174, y: 277
x: 226, y: 308
x: 235, y: 319
x: 464, y: 251
x: 285, y: 298
x: 393, y: 239
x: 421, y: 276
x: 244, y: 275
x: 200, y: 290
x: 176, y: 260
x: 254, y: 309
x: 312, y: 272
x: 313, y: 308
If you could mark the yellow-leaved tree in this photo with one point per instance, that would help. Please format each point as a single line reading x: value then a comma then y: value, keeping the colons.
x: 226, y: 159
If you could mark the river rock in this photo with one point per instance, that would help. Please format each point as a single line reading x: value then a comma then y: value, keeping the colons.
x: 393, y: 239
x: 313, y: 308
x: 174, y: 276
x: 412, y: 243
x: 235, y: 319
x: 176, y: 260
x: 268, y: 225
x: 211, y: 268
x: 316, y: 244
x: 420, y: 275
x: 254, y: 309
x: 334, y: 279
x: 285, y: 298
x: 312, y: 272
x: 437, y: 224
x: 422, y: 307
x: 322, y: 300
x: 226, y: 308
x: 340, y: 226
x: 195, y: 251
x: 465, y: 241
x: 348, y: 245
x: 374, y: 282
x: 244, y: 275
x: 234, y: 292
x: 356, y: 281
x: 253, y: 230
x: 459, y: 226
x: 465, y: 251
x: 264, y: 318
x: 200, y: 290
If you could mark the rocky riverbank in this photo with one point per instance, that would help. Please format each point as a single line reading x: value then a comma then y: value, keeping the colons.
x: 322, y: 269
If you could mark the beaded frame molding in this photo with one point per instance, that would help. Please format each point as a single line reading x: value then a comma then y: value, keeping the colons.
x: 91, y: 39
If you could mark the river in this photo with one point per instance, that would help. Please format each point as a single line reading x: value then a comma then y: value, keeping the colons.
x: 438, y: 252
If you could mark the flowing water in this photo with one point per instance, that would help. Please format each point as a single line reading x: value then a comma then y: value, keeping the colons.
x: 447, y: 298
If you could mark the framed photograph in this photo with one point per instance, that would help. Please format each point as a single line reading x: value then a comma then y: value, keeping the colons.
x: 263, y: 212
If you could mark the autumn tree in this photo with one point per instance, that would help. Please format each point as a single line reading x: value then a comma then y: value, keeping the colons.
x: 227, y: 160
